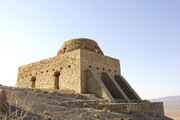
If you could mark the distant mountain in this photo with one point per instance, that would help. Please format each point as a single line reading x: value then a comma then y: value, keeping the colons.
x: 171, y: 106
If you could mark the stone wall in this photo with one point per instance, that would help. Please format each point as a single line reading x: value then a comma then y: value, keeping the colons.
x: 80, y: 43
x: 97, y: 63
x: 155, y: 108
x: 92, y: 85
x: 70, y: 67
x: 95, y: 86
x: 146, y: 107
x: 43, y: 72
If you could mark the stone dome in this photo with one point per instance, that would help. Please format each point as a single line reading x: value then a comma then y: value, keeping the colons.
x: 80, y: 43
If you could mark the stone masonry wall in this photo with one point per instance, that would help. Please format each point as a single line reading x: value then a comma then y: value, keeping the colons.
x: 68, y: 65
x: 71, y: 66
x: 80, y: 43
x: 74, y: 57
x: 155, y: 108
x: 97, y: 63
x: 92, y: 85
x: 146, y: 107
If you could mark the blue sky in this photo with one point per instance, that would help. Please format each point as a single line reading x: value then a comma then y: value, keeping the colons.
x: 143, y: 34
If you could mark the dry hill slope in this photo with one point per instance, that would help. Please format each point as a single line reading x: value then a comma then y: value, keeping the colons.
x: 63, y: 105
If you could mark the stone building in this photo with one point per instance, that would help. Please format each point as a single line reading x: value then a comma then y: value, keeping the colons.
x: 81, y: 66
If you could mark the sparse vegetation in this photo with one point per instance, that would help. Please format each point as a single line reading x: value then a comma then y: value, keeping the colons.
x: 105, y: 110
x: 85, y: 104
x: 45, y: 91
x: 51, y: 92
x: 35, y: 90
x: 39, y: 92
x: 100, y: 103
x: 47, y: 112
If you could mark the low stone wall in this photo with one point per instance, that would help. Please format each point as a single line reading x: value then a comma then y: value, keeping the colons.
x: 147, y: 107
x: 155, y: 108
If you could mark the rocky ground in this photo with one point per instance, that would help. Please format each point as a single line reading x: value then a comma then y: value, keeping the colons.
x: 39, y: 104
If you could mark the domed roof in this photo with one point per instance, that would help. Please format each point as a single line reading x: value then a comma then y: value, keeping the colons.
x: 80, y: 43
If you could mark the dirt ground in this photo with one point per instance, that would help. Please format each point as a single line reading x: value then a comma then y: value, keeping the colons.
x: 40, y: 104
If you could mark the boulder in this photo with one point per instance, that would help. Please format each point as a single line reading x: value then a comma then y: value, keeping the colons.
x: 3, y: 102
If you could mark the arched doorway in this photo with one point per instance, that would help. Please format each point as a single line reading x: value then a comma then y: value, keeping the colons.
x: 33, y: 82
x: 56, y: 80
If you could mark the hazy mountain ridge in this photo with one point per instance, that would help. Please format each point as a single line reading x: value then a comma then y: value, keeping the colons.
x: 171, y: 105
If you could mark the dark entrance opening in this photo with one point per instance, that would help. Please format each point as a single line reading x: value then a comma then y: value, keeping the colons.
x: 33, y: 82
x: 56, y: 80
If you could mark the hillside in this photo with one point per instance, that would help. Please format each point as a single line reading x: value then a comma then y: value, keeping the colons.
x: 65, y: 105
x: 171, y: 106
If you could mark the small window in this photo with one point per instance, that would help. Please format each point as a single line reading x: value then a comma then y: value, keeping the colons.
x: 69, y: 66
x: 46, y: 70
x: 109, y: 70
x: 115, y: 71
x: 103, y: 69
x: 89, y: 66
x: 96, y: 49
x: 64, y: 50
x: 60, y: 68
x: 41, y: 72
x: 53, y: 69
x: 97, y: 68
